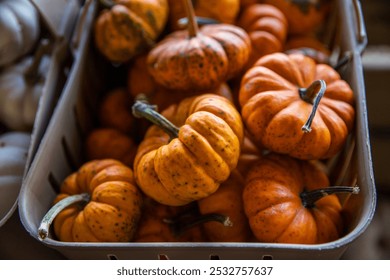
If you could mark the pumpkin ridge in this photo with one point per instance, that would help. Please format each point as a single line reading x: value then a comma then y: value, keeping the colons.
x: 285, y: 67
x: 334, y: 122
x: 183, y: 187
x: 216, y: 131
x: 206, y: 157
x: 269, y: 80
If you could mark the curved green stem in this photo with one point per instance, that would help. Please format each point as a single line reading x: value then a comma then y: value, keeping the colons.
x: 178, y: 227
x: 143, y: 109
x: 309, y: 198
x: 47, y: 220
x: 312, y: 95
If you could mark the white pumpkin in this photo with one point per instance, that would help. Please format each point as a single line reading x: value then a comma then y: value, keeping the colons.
x: 13, y: 157
x: 19, y: 29
x: 21, y: 86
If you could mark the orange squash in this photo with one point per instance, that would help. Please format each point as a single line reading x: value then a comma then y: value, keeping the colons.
x: 226, y: 201
x: 111, y: 209
x: 224, y: 11
x: 199, y: 59
x: 289, y: 201
x: 129, y: 27
x: 157, y: 220
x: 304, y: 16
x: 283, y: 111
x: 308, y: 45
x: 104, y: 143
x: 115, y: 110
x: 267, y: 28
x: 194, y: 155
x: 140, y: 81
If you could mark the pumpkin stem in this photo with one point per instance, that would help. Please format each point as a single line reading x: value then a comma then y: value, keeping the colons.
x: 31, y: 74
x: 192, y: 25
x: 141, y: 108
x: 179, y: 227
x: 47, y: 220
x: 309, y: 198
x: 312, y: 95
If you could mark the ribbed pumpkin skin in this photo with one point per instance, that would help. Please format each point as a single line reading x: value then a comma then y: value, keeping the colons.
x: 114, y: 210
x: 193, y: 165
x: 129, y: 27
x: 274, y: 208
x: 274, y: 113
x: 217, y: 53
x: 267, y: 28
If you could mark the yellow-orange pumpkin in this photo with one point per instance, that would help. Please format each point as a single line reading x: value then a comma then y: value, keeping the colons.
x: 196, y: 157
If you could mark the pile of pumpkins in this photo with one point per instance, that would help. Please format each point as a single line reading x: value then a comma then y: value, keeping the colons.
x: 219, y: 132
x: 23, y: 65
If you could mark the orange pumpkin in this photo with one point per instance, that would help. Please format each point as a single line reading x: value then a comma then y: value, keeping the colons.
x: 140, y: 81
x: 289, y: 201
x: 195, y: 157
x: 115, y: 110
x: 310, y: 46
x: 226, y: 201
x: 157, y: 220
x: 224, y: 11
x: 304, y: 16
x: 199, y: 59
x: 104, y: 143
x: 280, y: 100
x: 112, y: 206
x: 129, y: 27
x: 267, y: 28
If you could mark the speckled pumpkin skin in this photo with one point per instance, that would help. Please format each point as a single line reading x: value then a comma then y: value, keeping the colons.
x: 274, y: 208
x: 113, y: 212
x: 129, y: 28
x: 193, y: 165
x: 274, y: 113
x: 217, y: 53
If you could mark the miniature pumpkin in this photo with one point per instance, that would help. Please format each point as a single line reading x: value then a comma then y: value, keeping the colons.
x: 21, y: 86
x: 200, y: 154
x: 158, y: 224
x: 289, y: 201
x: 112, y: 204
x: 304, y: 16
x: 115, y: 110
x: 110, y: 143
x: 226, y: 201
x: 19, y: 29
x: 129, y: 27
x: 310, y: 46
x: 13, y: 156
x: 140, y: 81
x: 199, y: 59
x: 224, y: 11
x: 267, y: 28
x: 280, y: 100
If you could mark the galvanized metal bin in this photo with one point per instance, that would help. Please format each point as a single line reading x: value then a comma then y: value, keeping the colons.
x: 61, y: 149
